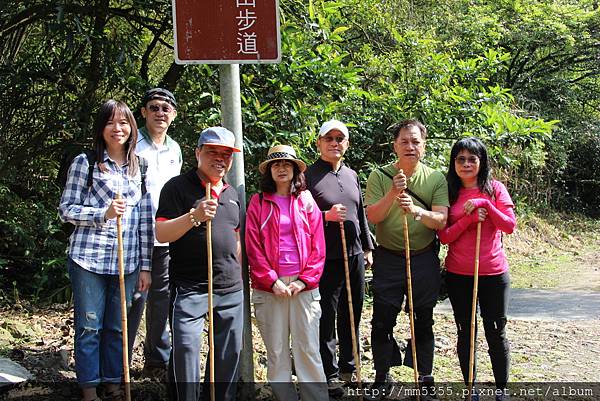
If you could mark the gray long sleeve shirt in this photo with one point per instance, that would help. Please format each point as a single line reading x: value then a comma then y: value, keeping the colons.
x: 329, y: 187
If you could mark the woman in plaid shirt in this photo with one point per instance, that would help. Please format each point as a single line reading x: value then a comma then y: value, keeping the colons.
x: 92, y: 255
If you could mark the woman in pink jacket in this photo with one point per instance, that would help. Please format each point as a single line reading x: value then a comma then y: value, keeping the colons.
x: 476, y: 197
x: 285, y: 244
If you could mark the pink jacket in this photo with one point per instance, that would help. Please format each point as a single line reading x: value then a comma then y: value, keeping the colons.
x: 262, y: 240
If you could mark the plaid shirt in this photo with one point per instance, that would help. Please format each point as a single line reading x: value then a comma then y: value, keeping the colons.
x: 93, y: 244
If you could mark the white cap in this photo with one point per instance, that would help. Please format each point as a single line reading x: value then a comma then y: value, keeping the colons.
x: 333, y: 124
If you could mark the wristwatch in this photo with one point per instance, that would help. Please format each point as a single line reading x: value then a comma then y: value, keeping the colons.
x: 419, y: 214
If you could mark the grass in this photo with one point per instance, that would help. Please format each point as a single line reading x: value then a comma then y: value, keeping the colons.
x: 546, y: 250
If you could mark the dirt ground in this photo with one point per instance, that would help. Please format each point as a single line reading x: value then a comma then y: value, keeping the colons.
x: 542, y: 351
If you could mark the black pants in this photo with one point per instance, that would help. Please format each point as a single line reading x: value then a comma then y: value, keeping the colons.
x: 493, y: 293
x: 389, y: 282
x: 334, y: 302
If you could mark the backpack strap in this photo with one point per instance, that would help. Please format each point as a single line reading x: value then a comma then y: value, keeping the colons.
x: 91, y: 157
x: 143, y: 164
x: 408, y: 191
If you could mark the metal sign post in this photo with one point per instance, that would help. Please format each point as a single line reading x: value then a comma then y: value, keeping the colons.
x: 229, y: 33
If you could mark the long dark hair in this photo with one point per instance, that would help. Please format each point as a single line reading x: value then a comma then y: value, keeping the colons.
x: 484, y: 177
x: 268, y: 185
x: 107, y: 112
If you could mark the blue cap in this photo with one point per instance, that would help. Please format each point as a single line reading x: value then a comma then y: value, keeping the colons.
x: 218, y: 136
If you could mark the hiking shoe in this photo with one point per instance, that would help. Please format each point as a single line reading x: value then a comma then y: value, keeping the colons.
x: 474, y: 396
x: 335, y: 387
x: 502, y: 397
x: 427, y: 388
x: 378, y: 390
x: 349, y: 379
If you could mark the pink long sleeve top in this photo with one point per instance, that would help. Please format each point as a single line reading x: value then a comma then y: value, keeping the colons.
x: 460, y: 232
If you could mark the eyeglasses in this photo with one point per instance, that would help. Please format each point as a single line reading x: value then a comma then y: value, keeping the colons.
x: 156, y: 108
x: 470, y: 159
x: 338, y: 139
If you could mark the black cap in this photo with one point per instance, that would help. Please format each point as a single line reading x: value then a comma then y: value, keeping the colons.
x: 160, y: 94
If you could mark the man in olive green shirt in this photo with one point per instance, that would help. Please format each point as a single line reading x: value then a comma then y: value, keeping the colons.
x: 405, y: 186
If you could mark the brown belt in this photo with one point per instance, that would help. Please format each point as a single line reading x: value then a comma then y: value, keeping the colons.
x: 402, y: 252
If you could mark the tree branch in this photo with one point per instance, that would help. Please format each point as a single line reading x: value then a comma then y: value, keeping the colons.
x: 146, y: 57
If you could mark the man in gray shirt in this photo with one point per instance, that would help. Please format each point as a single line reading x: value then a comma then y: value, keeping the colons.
x: 336, y: 189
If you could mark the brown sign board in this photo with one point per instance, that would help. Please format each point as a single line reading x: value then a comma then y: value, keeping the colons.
x: 226, y: 31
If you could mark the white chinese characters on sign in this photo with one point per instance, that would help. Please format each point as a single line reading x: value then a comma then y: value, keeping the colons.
x: 246, y: 18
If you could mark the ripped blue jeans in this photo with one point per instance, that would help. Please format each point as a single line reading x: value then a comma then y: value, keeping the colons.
x: 97, y: 315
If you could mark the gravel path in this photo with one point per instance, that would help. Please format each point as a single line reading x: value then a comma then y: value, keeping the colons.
x: 552, y: 305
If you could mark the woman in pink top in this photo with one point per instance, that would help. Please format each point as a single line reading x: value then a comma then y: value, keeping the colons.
x: 476, y: 197
x: 285, y: 244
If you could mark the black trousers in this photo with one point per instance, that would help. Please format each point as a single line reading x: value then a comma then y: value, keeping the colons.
x: 334, y: 303
x: 386, y: 352
x: 390, y: 290
x: 493, y: 294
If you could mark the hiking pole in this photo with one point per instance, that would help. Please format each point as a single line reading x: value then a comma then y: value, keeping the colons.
x: 211, y: 339
x: 474, y: 311
x: 410, y: 305
x: 351, y: 309
x: 123, y: 302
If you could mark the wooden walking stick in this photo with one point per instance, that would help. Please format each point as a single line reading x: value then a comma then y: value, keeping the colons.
x: 410, y: 305
x: 211, y: 338
x: 474, y: 311
x: 123, y: 303
x: 351, y: 308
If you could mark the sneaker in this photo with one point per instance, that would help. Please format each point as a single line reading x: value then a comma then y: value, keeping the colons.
x: 335, y: 387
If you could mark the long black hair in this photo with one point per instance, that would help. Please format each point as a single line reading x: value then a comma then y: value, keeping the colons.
x: 484, y: 176
x: 105, y: 114
x: 268, y: 185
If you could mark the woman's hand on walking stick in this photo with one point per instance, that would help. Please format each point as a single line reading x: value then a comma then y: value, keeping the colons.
x: 117, y: 208
x: 479, y: 215
x: 482, y: 214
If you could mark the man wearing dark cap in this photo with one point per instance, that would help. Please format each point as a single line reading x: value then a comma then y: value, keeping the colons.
x: 181, y: 221
x: 164, y: 161
x: 336, y: 189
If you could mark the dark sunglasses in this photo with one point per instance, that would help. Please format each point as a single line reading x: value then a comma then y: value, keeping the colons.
x: 156, y: 108
x: 470, y: 159
x: 338, y: 139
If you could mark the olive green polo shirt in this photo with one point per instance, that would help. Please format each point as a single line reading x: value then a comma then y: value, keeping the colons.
x: 429, y: 184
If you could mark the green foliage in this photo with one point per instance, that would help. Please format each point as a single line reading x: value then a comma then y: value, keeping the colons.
x: 523, y: 76
x: 31, y: 253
